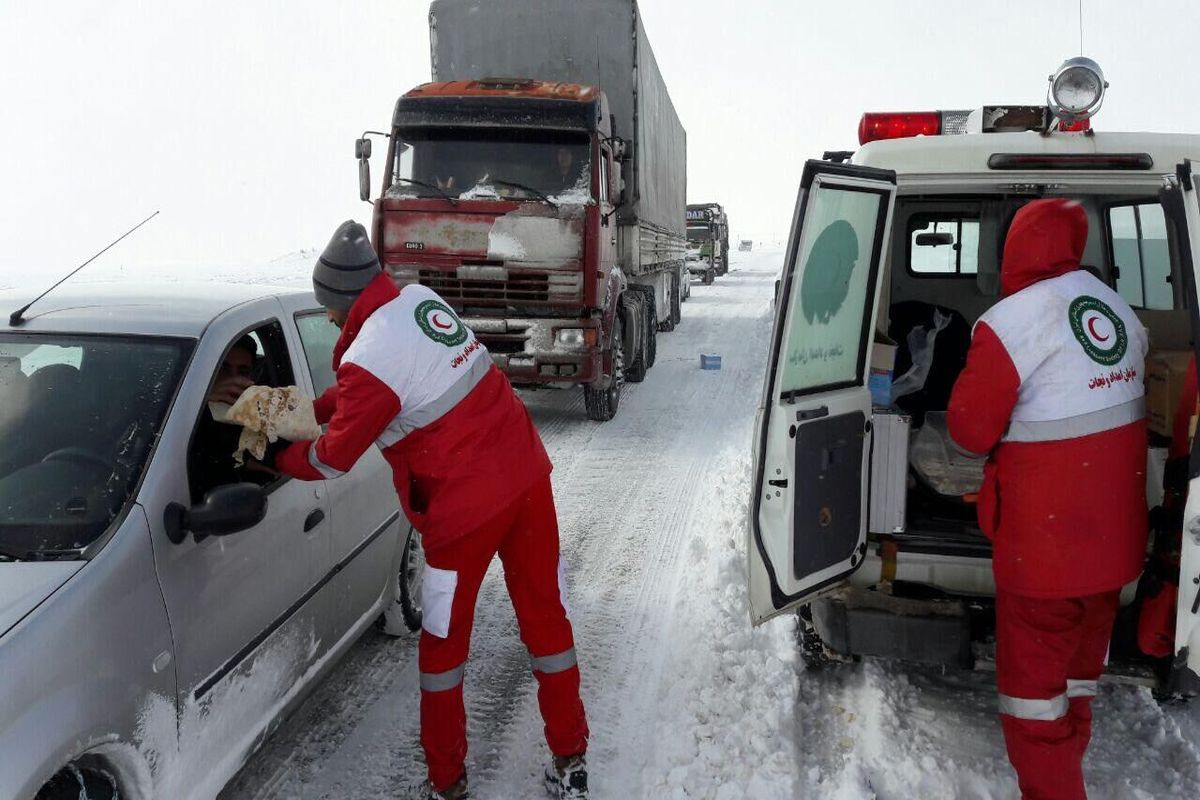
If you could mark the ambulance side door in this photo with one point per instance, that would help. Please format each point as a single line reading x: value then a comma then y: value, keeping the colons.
x: 1181, y: 202
x: 808, y: 514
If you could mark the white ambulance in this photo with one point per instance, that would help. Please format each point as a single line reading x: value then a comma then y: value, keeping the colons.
x: 862, y: 514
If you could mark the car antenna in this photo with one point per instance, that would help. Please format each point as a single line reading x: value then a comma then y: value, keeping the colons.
x: 18, y: 316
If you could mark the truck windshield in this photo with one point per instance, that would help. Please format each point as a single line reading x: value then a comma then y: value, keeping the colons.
x: 78, y: 416
x: 699, y: 234
x: 484, y: 164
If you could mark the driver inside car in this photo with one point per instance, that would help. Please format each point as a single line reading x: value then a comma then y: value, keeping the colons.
x: 212, y: 461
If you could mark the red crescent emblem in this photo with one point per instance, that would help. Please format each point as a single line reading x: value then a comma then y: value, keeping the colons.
x: 434, y: 319
x: 1092, y: 329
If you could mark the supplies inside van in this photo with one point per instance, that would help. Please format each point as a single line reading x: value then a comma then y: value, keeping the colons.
x: 941, y: 465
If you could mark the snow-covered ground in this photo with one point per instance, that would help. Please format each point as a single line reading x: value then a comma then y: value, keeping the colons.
x: 686, y: 700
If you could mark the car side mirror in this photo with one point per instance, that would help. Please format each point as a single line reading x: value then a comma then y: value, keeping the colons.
x: 225, y: 510
x: 934, y: 239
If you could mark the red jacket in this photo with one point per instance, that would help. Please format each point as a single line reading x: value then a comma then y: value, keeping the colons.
x: 413, y: 380
x: 1053, y: 391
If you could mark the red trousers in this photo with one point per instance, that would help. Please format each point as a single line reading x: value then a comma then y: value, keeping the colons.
x: 1049, y: 656
x: 525, y: 535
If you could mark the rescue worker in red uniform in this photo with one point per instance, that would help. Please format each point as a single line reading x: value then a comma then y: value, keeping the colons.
x: 472, y: 476
x: 1053, y: 393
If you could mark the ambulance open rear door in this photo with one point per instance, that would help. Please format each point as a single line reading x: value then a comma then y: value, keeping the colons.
x: 808, y: 515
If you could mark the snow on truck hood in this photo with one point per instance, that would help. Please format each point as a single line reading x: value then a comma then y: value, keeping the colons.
x: 25, y: 584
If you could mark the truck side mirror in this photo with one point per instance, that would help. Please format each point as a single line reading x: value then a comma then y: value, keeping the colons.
x: 362, y: 148
x: 364, y: 179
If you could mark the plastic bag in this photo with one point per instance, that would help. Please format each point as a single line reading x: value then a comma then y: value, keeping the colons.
x: 945, y: 468
x: 920, y: 347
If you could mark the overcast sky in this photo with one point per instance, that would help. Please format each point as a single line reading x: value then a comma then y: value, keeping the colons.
x: 237, y: 119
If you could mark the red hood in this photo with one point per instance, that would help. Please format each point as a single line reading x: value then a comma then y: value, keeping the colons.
x: 1045, y: 240
x: 379, y: 292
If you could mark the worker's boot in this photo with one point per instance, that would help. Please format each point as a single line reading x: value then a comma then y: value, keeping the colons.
x: 456, y: 791
x: 566, y: 778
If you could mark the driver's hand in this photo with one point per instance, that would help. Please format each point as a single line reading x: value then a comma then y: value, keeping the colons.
x: 228, y: 390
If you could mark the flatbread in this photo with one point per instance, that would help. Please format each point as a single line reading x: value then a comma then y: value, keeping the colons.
x: 268, y: 414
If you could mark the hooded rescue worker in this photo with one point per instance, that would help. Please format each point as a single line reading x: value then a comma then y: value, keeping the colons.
x: 472, y: 476
x: 1052, y: 392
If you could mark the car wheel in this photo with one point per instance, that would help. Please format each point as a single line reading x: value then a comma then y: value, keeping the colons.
x: 602, y: 403
x: 404, y: 614
x: 75, y: 782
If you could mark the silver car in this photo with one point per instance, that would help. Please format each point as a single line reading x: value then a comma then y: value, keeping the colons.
x: 160, y: 608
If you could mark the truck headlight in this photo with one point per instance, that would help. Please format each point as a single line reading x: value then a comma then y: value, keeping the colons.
x: 1076, y: 90
x: 575, y: 337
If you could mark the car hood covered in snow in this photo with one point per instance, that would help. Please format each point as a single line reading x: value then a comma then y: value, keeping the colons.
x: 25, y: 584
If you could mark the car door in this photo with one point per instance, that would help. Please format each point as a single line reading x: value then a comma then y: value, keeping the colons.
x: 365, y: 518
x: 808, y: 514
x: 1181, y: 202
x: 244, y: 616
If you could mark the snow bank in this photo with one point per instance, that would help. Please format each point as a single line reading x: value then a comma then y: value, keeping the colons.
x: 725, y: 726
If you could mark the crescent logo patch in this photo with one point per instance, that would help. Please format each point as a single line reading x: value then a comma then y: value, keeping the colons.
x: 439, y: 323
x: 1098, y: 329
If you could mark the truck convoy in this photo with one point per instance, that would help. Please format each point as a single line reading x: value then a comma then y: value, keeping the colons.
x: 538, y: 184
x: 707, y: 241
x: 863, y: 514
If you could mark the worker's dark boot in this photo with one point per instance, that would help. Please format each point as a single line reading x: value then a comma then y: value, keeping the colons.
x: 456, y: 791
x: 566, y: 778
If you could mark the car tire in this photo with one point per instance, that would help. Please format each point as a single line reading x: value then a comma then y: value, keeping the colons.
x: 602, y: 403
x: 404, y: 615
x: 74, y: 782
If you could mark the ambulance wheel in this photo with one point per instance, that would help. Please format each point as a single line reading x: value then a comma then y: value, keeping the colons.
x: 403, y: 616
x: 601, y: 404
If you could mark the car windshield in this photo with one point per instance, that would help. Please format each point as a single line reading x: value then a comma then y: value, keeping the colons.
x: 78, y: 416
x: 524, y: 165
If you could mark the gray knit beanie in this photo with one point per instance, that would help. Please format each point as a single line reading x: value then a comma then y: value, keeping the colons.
x: 345, y: 268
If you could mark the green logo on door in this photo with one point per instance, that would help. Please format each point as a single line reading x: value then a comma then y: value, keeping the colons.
x: 1098, y: 330
x: 826, y: 281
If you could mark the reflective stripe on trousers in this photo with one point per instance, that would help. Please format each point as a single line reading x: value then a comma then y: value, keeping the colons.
x: 1054, y: 430
x: 1034, y: 709
x: 1078, y: 688
x: 559, y: 662
x: 443, y: 681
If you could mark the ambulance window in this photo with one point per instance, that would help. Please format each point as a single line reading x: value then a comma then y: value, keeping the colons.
x: 943, y: 245
x: 1141, y: 255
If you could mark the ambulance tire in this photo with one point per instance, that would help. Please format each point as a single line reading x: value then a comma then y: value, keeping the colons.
x: 404, y: 615
x: 602, y: 403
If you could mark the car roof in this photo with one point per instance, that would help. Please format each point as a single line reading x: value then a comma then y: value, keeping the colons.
x: 968, y: 154
x: 145, y: 308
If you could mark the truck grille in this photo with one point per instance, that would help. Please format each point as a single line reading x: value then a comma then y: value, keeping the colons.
x: 520, y: 288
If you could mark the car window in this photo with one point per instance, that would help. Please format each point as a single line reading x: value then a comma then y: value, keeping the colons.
x: 318, y: 335
x: 943, y: 245
x: 1141, y: 256
x: 78, y: 418
x: 261, y: 356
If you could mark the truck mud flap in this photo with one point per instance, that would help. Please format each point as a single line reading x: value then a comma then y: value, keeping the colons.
x: 910, y: 631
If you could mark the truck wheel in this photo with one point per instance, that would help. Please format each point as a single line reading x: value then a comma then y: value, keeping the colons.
x: 709, y: 276
x: 667, y: 324
x: 404, y: 614
x: 601, y: 404
x: 651, y: 327
x: 636, y: 371
x: 676, y: 301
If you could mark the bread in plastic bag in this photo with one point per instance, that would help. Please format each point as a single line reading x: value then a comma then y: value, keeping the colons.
x: 268, y: 414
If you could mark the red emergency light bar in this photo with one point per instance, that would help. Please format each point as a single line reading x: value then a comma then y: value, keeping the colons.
x: 876, y: 126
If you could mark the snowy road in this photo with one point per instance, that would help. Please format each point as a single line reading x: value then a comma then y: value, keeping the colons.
x: 684, y: 699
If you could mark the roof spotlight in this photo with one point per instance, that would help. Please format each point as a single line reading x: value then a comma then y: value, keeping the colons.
x: 1076, y: 90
